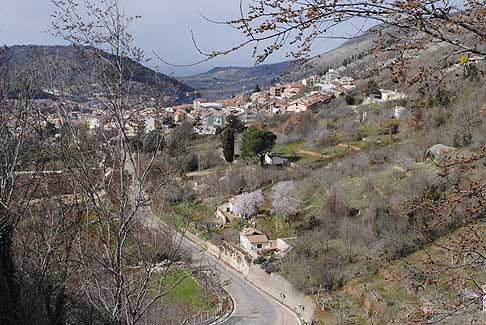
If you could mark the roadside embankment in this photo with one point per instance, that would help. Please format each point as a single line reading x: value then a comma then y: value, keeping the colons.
x: 272, y: 284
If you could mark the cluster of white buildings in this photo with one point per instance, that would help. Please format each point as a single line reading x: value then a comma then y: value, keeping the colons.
x: 293, y: 97
x: 209, y: 116
x: 330, y: 82
x: 136, y: 122
x: 308, y: 94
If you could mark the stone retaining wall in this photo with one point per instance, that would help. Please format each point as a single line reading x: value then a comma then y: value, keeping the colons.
x: 226, y: 253
x: 272, y: 284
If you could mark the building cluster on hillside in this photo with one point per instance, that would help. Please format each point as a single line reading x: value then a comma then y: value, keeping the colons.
x: 310, y: 93
x: 141, y: 118
x: 331, y: 81
x: 294, y: 97
x: 136, y: 121
x: 208, y: 117
x: 147, y: 114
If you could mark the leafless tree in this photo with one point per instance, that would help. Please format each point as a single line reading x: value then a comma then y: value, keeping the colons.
x: 333, y: 304
x: 98, y: 248
x: 295, y: 26
x: 21, y: 143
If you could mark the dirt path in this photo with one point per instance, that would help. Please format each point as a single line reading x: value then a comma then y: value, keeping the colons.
x: 201, y: 173
x: 342, y: 145
x: 312, y: 153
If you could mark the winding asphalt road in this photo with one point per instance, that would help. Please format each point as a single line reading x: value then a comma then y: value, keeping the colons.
x: 251, y: 306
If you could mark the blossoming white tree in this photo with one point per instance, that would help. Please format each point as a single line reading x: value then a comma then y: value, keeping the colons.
x: 285, y: 199
x: 247, y: 204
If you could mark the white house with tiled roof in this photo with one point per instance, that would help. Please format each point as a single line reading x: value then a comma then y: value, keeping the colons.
x: 252, y: 239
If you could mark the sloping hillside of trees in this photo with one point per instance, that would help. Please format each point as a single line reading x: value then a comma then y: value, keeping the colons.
x: 71, y: 64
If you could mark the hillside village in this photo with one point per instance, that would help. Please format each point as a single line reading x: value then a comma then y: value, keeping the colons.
x: 367, y: 125
x: 325, y: 125
x: 367, y: 117
x: 209, y: 117
x: 350, y: 189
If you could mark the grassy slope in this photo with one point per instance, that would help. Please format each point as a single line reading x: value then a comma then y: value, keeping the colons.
x: 188, y: 291
x: 394, y: 293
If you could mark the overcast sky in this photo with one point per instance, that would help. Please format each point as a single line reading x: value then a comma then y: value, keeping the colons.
x: 165, y: 28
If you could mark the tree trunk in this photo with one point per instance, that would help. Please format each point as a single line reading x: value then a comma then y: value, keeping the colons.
x: 8, y: 287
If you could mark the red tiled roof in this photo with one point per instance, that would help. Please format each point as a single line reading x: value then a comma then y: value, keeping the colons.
x: 257, y: 239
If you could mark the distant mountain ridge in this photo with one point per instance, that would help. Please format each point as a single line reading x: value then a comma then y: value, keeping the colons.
x: 23, y: 56
x: 222, y: 82
x: 271, y: 67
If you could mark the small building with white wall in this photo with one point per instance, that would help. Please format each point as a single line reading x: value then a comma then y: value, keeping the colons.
x: 252, y: 239
x: 284, y: 245
x: 275, y: 160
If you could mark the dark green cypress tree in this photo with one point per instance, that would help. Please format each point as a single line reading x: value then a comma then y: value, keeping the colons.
x: 228, y: 139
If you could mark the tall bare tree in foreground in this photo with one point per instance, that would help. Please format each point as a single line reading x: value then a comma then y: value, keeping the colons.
x: 120, y: 253
x: 78, y: 242
x: 37, y: 225
x: 20, y: 143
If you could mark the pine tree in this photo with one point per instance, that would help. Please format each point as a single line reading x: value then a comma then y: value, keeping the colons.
x: 256, y: 143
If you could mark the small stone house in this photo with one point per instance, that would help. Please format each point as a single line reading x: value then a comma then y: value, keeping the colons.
x: 309, y: 103
x: 252, y: 239
x: 224, y: 213
x: 284, y: 245
x: 275, y: 160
